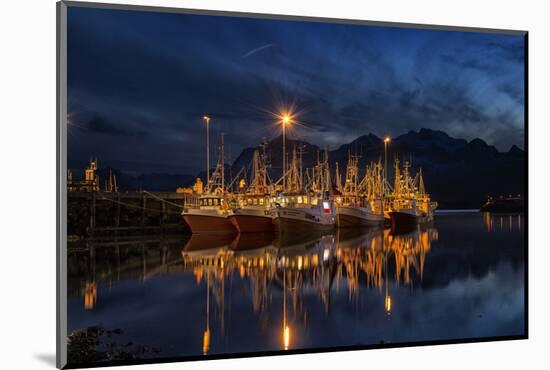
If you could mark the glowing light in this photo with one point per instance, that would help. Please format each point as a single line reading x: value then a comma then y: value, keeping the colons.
x: 206, y: 118
x: 206, y: 341
x: 387, y: 304
x: 90, y: 295
x: 326, y: 207
x: 326, y: 254
x: 286, y: 337
x: 314, y: 260
x: 286, y: 117
x: 387, y: 139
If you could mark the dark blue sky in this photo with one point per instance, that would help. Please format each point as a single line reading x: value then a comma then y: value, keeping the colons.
x: 139, y: 83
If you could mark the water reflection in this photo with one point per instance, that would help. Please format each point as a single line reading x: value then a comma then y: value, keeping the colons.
x: 504, y: 221
x: 293, y: 264
x: 250, y: 292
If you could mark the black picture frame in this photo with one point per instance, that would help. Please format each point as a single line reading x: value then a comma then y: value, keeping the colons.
x: 61, y: 195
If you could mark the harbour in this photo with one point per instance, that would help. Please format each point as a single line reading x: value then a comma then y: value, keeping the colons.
x: 300, y: 200
x: 340, y: 288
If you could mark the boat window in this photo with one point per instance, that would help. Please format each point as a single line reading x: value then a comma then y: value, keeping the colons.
x: 261, y: 201
x: 299, y: 200
x: 215, y: 201
x: 209, y: 201
x: 255, y: 201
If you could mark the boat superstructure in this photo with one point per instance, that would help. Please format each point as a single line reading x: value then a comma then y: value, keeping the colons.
x: 310, y: 207
x: 360, y: 204
x: 307, y: 199
x: 252, y: 213
x: 211, y: 215
x: 410, y: 203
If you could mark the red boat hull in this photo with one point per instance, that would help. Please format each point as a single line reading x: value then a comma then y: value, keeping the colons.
x: 252, y: 224
x: 209, y: 224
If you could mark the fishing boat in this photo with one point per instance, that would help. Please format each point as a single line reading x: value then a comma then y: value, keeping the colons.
x: 356, y: 208
x: 298, y: 209
x: 254, y: 216
x: 304, y: 212
x: 211, y: 215
x: 410, y: 202
x: 253, y: 212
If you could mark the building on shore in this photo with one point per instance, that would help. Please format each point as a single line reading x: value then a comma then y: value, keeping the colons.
x: 197, y: 188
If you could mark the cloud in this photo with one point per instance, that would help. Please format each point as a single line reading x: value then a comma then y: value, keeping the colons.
x: 254, y: 51
x: 155, y: 75
x: 100, y: 125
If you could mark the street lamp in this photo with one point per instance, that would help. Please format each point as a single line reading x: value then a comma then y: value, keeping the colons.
x: 285, y: 119
x: 386, y: 142
x: 207, y: 120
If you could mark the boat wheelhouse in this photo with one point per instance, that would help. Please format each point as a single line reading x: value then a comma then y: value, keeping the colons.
x: 213, y: 210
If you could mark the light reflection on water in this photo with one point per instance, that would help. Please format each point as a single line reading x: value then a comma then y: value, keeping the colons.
x: 461, y: 277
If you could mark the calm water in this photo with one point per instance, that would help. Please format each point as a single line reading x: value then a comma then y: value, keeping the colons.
x: 462, y: 277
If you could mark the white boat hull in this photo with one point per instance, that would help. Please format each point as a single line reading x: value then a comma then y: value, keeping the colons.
x: 356, y: 217
x: 302, y: 219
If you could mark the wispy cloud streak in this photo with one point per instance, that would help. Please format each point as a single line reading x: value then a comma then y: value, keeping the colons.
x: 258, y: 49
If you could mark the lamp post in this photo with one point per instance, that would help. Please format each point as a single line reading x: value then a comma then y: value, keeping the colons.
x: 207, y: 120
x: 386, y: 142
x: 286, y: 121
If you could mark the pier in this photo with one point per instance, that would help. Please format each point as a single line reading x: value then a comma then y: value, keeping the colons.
x: 93, y: 213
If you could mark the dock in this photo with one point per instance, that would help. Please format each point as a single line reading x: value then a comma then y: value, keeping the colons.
x: 92, y: 213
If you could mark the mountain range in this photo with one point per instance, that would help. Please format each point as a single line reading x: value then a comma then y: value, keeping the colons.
x: 457, y: 173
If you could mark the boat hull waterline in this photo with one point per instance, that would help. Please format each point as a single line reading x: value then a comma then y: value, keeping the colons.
x: 252, y: 223
x: 299, y: 220
x: 399, y: 218
x: 209, y: 224
x: 357, y: 217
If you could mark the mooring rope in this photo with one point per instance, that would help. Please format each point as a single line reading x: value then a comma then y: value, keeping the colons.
x: 136, y: 207
x: 164, y: 200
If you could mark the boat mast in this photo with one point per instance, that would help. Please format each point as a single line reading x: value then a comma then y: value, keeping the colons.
x: 338, y: 179
x: 421, y: 189
x: 222, y: 158
x: 294, y: 183
x: 350, y: 186
x: 207, y: 120
x: 263, y: 165
x: 327, y: 183
x: 397, y: 180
